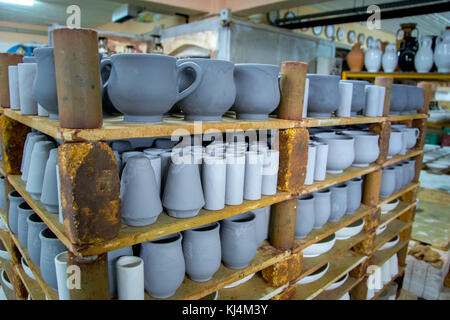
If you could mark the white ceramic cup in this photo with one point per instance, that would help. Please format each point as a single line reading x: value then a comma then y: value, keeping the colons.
x: 270, y: 173
x: 61, y: 276
x: 27, y: 74
x: 14, y: 96
x: 214, y: 174
x: 345, y: 104
x: 253, y: 175
x: 320, y: 167
x: 130, y: 278
x: 381, y: 96
x: 372, y: 100
x: 310, y: 166
x: 234, y: 187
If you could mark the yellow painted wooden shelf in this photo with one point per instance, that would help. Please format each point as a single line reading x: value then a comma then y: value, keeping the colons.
x: 393, y: 229
x: 336, y: 294
x: 399, y: 274
x: 128, y: 236
x: 312, y: 264
x: 401, y: 208
x: 48, y: 291
x: 190, y: 290
x: 336, y: 270
x: 339, y: 121
x: 32, y: 286
x: 398, y: 75
x: 405, y: 189
x: 332, y: 179
x: 115, y: 128
x: 381, y: 256
x: 407, y: 117
x: 2, y: 169
x: 399, y: 158
x: 331, y: 227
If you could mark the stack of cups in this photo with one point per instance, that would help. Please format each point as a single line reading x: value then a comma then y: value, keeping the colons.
x: 374, y: 100
x: 346, y: 93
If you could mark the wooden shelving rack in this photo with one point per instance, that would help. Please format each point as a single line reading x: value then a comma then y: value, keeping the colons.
x: 279, y: 262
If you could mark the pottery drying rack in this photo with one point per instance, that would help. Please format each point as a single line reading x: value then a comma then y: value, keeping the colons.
x: 279, y: 262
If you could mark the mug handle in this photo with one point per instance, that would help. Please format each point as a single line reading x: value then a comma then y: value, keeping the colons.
x: 198, y: 78
x: 105, y: 62
x: 417, y: 132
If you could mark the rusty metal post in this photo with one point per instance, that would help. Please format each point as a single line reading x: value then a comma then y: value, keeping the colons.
x: 6, y: 59
x: 78, y: 78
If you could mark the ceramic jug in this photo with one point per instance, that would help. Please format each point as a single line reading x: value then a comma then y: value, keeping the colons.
x: 372, y: 59
x: 202, y: 252
x: 407, y: 46
x: 442, y: 52
x: 423, y: 61
x: 355, y: 58
x: 144, y: 86
x: 390, y: 58
x: 238, y: 240
x: 215, y: 93
x: 45, y: 82
x: 164, y: 265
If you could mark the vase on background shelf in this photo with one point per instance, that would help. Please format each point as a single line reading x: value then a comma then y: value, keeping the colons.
x: 355, y: 58
x: 407, y: 46
x: 390, y: 59
x: 442, y: 52
x: 423, y: 62
x: 372, y: 59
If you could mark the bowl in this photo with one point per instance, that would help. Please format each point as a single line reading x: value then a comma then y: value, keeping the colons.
x: 381, y: 229
x: 341, y: 151
x: 366, y: 147
x: 241, y: 281
x: 391, y: 205
x: 337, y: 283
x: 27, y: 269
x: 316, y: 275
x: 390, y: 243
x: 351, y: 230
x: 320, y: 247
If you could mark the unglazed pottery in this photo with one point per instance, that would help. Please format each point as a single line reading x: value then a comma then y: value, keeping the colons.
x: 350, y: 230
x: 320, y: 165
x: 253, y: 175
x: 399, y: 172
x: 257, y: 90
x: 391, y: 205
x: 130, y: 278
x: 183, y: 193
x: 322, y: 207
x: 345, y: 104
x: 155, y: 162
x: 355, y: 58
x: 388, y: 183
x: 358, y: 95
x: 45, y: 82
x: 141, y: 204
x: 38, y: 162
x: 238, y: 240
x: 395, y: 143
x: 214, y: 174
x: 366, y: 147
x: 13, y: 214
x: 49, y: 195
x: 310, y: 166
x: 234, y: 189
x: 51, y: 246
x: 2, y: 193
x: 305, y: 219
x: 390, y: 58
x: 341, y: 151
x: 316, y: 275
x: 319, y: 247
x: 4, y: 254
x: 26, y: 76
x: 270, y: 172
x: 164, y: 265
x: 7, y: 287
x: 26, y: 268
x: 32, y: 138
x: 35, y: 226
x: 393, y: 265
x: 202, y: 251
x: 215, y: 93
x: 262, y: 224
x: 24, y: 211
x: 112, y: 257
x: 398, y: 98
x: 14, y: 95
x: 338, y: 201
x: 374, y: 101
x: 338, y: 283
x: 61, y: 275
x: 319, y: 104
x: 144, y: 86
x: 354, y: 194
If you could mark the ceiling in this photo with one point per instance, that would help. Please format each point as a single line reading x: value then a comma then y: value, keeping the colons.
x: 430, y: 24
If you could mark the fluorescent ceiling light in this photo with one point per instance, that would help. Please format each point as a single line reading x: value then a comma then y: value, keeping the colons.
x: 20, y: 2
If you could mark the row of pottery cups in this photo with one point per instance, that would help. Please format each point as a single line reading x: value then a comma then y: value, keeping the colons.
x: 328, y: 94
x: 397, y: 176
x: 159, y: 266
x: 381, y: 276
x: 184, y: 180
x: 144, y: 87
x: 327, y: 205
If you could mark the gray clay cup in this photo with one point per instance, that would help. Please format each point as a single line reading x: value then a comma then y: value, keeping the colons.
x: 51, y: 246
x: 113, y: 256
x: 38, y: 162
x: 354, y: 194
x: 399, y: 99
x: 358, y: 95
x: 323, y: 96
x: 338, y: 202
x: 49, y: 195
x: 27, y: 74
x: 35, y: 226
x: 24, y: 211
x: 304, y: 222
x: 28, y: 149
x: 13, y: 214
x: 322, y: 207
x: 45, y: 82
x: 388, y: 182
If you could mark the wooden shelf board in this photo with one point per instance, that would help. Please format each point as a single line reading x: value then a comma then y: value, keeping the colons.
x: 309, y: 265
x: 398, y: 75
x: 394, y: 214
x: 128, y: 235
x: 254, y: 289
x: 7, y: 242
x: 331, y: 227
x: 394, y: 228
x: 4, y: 217
x: 406, y: 117
x: 337, y: 293
x: 399, y: 158
x: 336, y: 270
x: 48, y: 291
x: 339, y: 121
x: 115, y: 128
x: 381, y: 256
x: 407, y: 188
x: 32, y: 286
x: 191, y: 290
x: 2, y: 169
x: 399, y: 274
x: 332, y: 179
